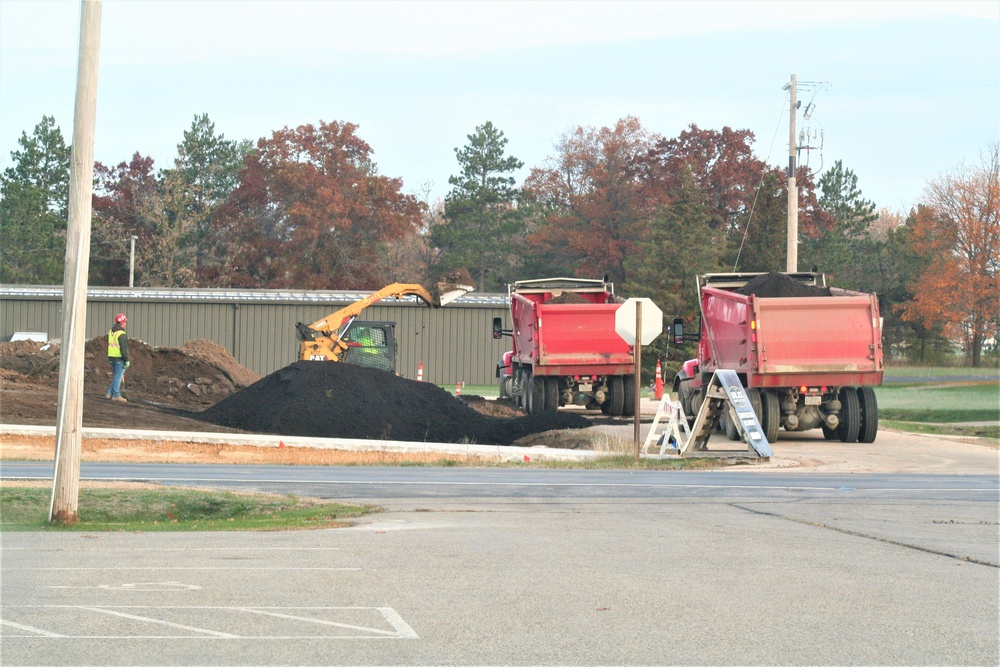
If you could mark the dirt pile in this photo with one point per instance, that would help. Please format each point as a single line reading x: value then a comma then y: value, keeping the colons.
x: 778, y: 285
x: 334, y: 400
x: 568, y: 297
x: 195, y: 375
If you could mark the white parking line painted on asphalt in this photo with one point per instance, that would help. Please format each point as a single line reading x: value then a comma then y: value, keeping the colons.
x: 28, y: 628
x: 157, y: 621
x: 335, y: 624
x: 155, y: 586
x: 182, y: 549
x: 200, y: 567
x: 400, y: 629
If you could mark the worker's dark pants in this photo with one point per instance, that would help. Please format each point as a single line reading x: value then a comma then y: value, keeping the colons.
x: 118, y: 368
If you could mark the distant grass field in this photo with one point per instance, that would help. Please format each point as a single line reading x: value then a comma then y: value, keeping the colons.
x: 940, y: 402
x: 941, y: 371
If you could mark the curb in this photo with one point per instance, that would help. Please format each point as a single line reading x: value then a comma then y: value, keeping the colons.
x: 342, y: 444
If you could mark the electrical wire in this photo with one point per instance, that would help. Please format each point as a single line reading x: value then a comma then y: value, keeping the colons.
x: 763, y: 174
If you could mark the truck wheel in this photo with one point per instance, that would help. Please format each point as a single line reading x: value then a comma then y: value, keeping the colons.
x: 503, y: 389
x: 536, y: 394
x: 551, y: 394
x: 681, y: 383
x: 869, y: 414
x: 616, y: 400
x: 519, y: 397
x: 771, y: 419
x: 732, y: 432
x: 628, y: 410
x: 850, y: 415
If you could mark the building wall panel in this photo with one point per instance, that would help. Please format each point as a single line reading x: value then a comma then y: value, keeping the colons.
x: 454, y: 343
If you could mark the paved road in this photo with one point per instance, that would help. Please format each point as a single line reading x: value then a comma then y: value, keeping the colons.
x: 507, y: 566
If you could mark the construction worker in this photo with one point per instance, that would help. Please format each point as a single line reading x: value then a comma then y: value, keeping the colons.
x: 118, y: 356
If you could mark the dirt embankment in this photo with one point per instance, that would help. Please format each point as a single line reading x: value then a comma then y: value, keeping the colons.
x: 201, y: 387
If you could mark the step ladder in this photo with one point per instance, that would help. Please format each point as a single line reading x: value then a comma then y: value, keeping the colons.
x: 723, y: 394
x: 670, y: 435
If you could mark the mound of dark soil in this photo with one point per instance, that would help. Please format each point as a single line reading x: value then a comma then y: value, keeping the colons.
x: 196, y: 375
x: 777, y: 285
x: 568, y: 297
x: 337, y: 400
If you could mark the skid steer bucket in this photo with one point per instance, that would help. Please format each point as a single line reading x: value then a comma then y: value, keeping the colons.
x: 451, y: 286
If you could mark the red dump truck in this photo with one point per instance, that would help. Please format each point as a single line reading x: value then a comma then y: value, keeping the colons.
x: 565, y: 349
x: 808, y: 354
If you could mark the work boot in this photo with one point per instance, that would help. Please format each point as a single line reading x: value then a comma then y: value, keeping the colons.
x: 107, y: 396
x: 120, y: 399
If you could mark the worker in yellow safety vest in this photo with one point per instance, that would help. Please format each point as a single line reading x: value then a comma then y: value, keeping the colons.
x: 118, y: 356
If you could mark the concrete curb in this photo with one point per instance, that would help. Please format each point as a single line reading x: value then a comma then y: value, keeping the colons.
x: 342, y: 444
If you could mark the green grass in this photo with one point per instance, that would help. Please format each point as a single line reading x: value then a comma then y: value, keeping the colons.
x: 939, y: 403
x: 156, y: 509
x: 941, y: 371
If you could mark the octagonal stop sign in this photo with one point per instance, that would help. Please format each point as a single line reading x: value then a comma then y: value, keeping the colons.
x: 652, y: 321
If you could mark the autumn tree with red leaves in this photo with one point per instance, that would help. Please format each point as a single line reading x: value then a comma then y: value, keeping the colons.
x: 131, y: 200
x: 591, y: 202
x: 312, y: 212
x: 958, y: 229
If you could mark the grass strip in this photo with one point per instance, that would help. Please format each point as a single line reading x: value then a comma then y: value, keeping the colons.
x: 162, y: 509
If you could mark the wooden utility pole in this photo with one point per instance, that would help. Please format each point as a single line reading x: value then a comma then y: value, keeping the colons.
x: 638, y: 380
x: 69, y: 420
x: 792, y: 261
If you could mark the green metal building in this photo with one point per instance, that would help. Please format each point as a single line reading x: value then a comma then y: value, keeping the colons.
x: 454, y: 343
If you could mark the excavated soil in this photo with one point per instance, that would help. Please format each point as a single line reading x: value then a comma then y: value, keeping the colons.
x: 339, y: 400
x: 201, y: 387
x: 193, y: 376
x: 778, y: 285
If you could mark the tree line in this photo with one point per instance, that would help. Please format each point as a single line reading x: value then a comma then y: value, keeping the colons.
x: 307, y: 208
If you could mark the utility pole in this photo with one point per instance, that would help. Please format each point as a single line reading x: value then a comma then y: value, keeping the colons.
x: 69, y: 420
x: 131, y: 262
x: 792, y: 261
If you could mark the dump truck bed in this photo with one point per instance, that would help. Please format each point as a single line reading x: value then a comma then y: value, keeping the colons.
x: 791, y: 341
x: 568, y: 338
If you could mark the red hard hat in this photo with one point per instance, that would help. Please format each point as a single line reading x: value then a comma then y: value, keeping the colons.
x: 120, y: 318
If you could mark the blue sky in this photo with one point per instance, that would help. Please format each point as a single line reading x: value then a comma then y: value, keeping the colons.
x: 910, y: 90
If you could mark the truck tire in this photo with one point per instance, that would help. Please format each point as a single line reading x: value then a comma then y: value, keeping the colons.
x: 628, y: 410
x: 536, y: 394
x: 732, y: 431
x: 850, y: 415
x: 682, y: 386
x: 616, y: 399
x: 869, y: 414
x: 772, y: 414
x: 757, y: 404
x: 519, y: 397
x: 551, y: 394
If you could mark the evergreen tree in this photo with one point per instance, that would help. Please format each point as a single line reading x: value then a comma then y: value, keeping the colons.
x: 34, y: 205
x: 482, y: 219
x: 847, y: 252
x: 206, y: 171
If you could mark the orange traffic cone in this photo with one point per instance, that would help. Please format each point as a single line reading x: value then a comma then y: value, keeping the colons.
x: 420, y: 372
x: 458, y: 388
x: 658, y: 387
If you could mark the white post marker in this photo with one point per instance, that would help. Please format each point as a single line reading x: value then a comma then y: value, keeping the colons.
x: 646, y: 318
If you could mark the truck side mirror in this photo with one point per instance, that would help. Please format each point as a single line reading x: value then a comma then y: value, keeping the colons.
x: 497, y: 328
x: 678, y: 331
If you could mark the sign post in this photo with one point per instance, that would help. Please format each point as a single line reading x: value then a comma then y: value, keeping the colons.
x: 645, y: 317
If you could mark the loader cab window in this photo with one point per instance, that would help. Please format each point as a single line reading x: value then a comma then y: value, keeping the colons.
x: 366, y: 336
x: 371, y: 345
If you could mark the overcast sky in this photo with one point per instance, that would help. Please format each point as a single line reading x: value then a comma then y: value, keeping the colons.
x: 903, y: 91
